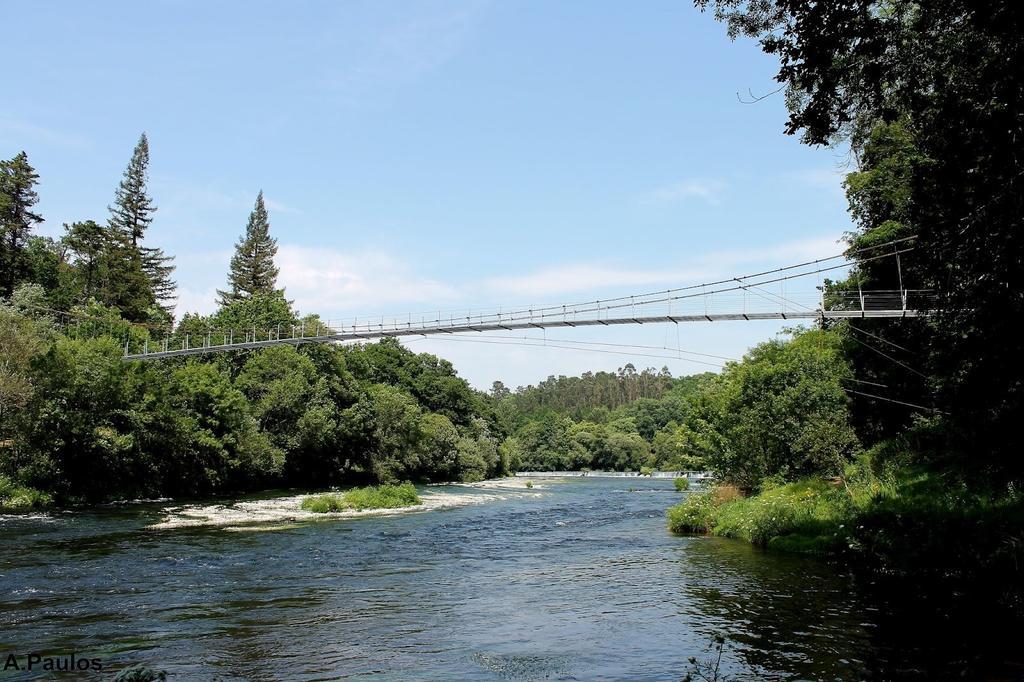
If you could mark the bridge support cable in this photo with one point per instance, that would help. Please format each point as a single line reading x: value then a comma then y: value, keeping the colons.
x: 723, y: 300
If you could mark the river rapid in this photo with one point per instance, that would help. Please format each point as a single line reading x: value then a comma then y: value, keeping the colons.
x: 573, y: 579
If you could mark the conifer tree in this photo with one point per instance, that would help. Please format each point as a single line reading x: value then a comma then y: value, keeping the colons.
x: 17, y: 197
x: 87, y: 240
x: 158, y: 270
x: 123, y: 282
x: 130, y: 216
x: 252, y: 267
x: 133, y: 209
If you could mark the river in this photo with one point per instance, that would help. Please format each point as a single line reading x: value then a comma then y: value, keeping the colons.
x: 572, y: 579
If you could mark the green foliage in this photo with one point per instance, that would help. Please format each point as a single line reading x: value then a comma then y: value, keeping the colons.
x: 14, y: 497
x: 548, y: 445
x: 695, y: 514
x: 215, y: 426
x: 87, y: 242
x: 676, y: 448
x: 593, y: 395
x: 928, y: 95
x: 130, y: 216
x: 17, y: 219
x: 386, y: 422
x: 815, y: 510
x: 432, y: 381
x: 259, y: 311
x: 125, y: 285
x: 22, y: 339
x: 370, y: 497
x: 253, y: 272
x: 902, y: 517
x: 682, y: 484
x: 132, y: 210
x: 783, y: 410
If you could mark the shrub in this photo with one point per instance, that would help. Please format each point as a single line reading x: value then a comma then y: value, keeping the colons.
x: 694, y: 515
x: 370, y: 497
x: 529, y: 484
x: 808, y: 515
x: 646, y: 471
x: 682, y: 483
x: 19, y: 498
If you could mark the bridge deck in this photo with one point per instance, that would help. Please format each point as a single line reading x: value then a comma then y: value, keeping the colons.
x: 368, y: 333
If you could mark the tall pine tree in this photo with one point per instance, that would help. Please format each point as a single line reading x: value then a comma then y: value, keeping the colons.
x: 130, y: 216
x: 252, y: 267
x: 17, y: 197
x: 133, y: 209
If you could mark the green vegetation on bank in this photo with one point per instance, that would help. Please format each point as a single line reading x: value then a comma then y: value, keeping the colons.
x: 359, y: 499
x: 15, y: 497
x: 902, y: 518
x: 79, y: 424
x: 681, y: 484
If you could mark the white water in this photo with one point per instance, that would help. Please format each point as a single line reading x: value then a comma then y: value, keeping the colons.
x: 283, y: 510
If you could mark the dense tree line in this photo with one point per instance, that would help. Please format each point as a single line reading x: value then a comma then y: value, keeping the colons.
x: 93, y: 262
x: 79, y: 422
x: 781, y: 412
x: 929, y: 98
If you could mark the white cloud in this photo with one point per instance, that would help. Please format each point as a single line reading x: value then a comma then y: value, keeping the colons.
x: 580, y: 277
x: 278, y: 206
x: 571, y: 278
x: 329, y: 281
x: 707, y: 189
x: 192, y: 301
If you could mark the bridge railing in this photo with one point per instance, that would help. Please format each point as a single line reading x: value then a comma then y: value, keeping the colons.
x: 740, y: 302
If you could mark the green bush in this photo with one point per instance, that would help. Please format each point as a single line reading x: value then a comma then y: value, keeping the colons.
x: 16, y: 497
x: 646, y: 471
x: 370, y: 497
x: 695, y: 515
x: 682, y: 483
x: 806, y: 516
x: 529, y: 484
x: 808, y: 509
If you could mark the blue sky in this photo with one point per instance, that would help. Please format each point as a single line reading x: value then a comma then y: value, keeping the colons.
x: 433, y: 155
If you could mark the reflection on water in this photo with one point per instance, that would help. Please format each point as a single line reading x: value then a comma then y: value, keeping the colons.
x: 580, y: 582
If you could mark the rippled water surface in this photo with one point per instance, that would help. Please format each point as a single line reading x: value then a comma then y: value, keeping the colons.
x: 575, y: 579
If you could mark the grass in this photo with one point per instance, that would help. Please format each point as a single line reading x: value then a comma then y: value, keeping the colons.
x: 809, y: 515
x: 682, y: 483
x: 14, y: 497
x: 904, y: 516
x: 359, y: 499
x: 694, y: 515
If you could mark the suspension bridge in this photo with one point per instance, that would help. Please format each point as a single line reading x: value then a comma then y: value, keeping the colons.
x: 793, y: 292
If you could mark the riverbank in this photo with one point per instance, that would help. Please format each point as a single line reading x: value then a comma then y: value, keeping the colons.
x: 905, y: 521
